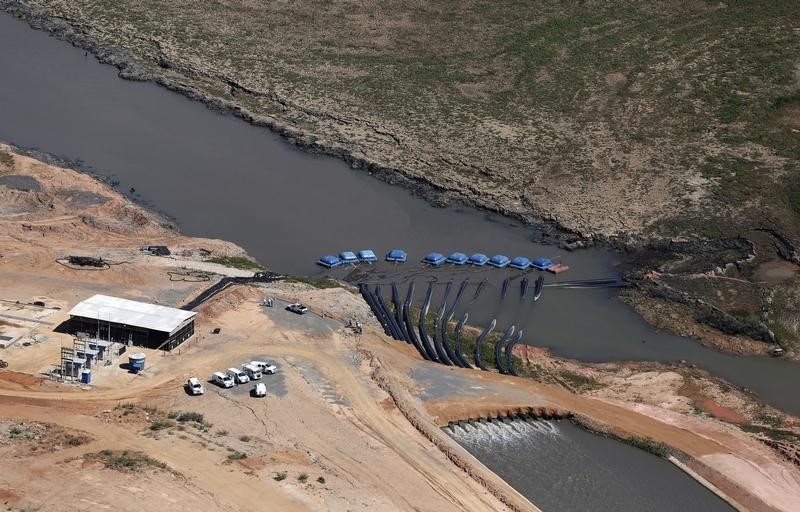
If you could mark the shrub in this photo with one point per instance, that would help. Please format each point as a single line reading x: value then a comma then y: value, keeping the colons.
x: 161, y: 424
x: 244, y: 439
x: 302, y: 477
x: 321, y: 479
x: 237, y: 456
x: 279, y: 476
x: 190, y: 416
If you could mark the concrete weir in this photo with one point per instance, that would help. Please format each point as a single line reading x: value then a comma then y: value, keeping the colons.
x: 489, y: 415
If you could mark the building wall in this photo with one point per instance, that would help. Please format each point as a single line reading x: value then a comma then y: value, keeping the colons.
x: 137, y: 336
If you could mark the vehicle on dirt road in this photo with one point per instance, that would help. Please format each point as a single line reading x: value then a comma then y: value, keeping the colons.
x: 222, y: 380
x: 253, y: 372
x: 297, y: 308
x: 264, y: 366
x: 194, y: 387
x: 238, y: 376
x: 259, y: 390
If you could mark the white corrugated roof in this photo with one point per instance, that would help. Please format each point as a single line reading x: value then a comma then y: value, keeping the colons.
x: 131, y: 312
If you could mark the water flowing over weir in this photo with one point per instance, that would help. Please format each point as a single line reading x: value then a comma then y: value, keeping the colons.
x: 251, y: 187
x: 562, y: 468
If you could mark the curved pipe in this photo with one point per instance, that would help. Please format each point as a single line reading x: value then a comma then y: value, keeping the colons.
x: 459, y: 354
x: 449, y: 317
x: 412, y: 333
x: 498, y: 350
x: 483, y: 335
x: 479, y: 289
x: 423, y: 335
x: 393, y: 327
x: 505, y: 288
x: 523, y: 287
x: 398, y: 313
x: 537, y: 290
x: 370, y: 299
x: 438, y: 344
x: 510, y: 354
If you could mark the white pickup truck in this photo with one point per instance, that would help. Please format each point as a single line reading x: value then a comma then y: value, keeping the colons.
x: 264, y: 366
x: 222, y: 380
x: 194, y: 387
x: 238, y: 376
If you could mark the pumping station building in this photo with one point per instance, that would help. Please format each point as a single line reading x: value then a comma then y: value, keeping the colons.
x: 131, y: 322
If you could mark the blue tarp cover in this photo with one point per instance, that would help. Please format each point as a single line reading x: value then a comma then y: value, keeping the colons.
x: 542, y: 263
x: 498, y: 260
x: 348, y: 257
x: 458, y: 258
x: 478, y: 259
x: 434, y: 258
x: 520, y: 263
x: 329, y: 261
x: 367, y: 255
x: 396, y: 255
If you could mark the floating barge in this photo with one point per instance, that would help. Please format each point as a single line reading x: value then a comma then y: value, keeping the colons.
x: 542, y: 263
x: 499, y: 261
x: 367, y: 256
x: 397, y: 256
x: 478, y: 259
x: 329, y: 261
x: 457, y: 258
x: 348, y: 257
x: 520, y: 263
x: 434, y: 258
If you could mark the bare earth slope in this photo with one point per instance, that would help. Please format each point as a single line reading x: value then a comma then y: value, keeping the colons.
x: 613, y: 118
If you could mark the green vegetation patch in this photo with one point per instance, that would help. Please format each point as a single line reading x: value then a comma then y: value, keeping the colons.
x: 126, y: 460
x: 241, y: 262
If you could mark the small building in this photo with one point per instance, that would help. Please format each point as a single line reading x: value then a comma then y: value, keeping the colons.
x: 132, y: 322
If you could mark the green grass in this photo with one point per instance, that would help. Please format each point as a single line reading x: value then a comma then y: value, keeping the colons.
x: 127, y: 460
x: 317, y: 282
x: 240, y: 262
x: 161, y: 425
x: 649, y: 445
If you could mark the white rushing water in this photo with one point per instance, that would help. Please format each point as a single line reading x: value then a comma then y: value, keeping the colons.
x: 562, y: 468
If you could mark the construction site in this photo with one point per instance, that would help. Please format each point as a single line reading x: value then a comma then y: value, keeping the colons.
x: 97, y: 358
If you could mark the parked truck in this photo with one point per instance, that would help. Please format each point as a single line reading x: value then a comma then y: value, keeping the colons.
x: 222, y: 380
x: 253, y: 372
x: 238, y: 376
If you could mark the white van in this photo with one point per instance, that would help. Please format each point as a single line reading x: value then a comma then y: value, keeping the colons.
x: 254, y: 372
x: 238, y: 376
x: 221, y: 379
x: 264, y: 366
x: 194, y: 387
x: 259, y: 390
